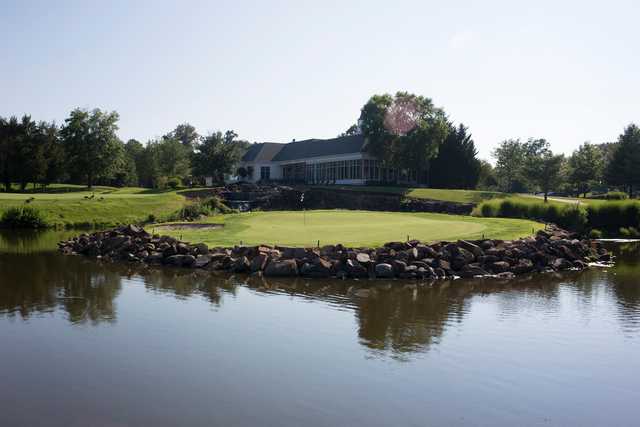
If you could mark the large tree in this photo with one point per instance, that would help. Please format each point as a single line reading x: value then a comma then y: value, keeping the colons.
x: 585, y: 168
x: 186, y: 134
x: 509, y: 157
x: 624, y: 166
x: 456, y: 165
x: 403, y: 130
x: 218, y: 155
x: 92, y: 147
x: 541, y: 167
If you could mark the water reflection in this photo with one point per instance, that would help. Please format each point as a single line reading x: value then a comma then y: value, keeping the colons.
x: 397, y: 318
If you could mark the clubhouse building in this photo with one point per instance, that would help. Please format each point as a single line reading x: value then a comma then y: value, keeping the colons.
x: 341, y: 160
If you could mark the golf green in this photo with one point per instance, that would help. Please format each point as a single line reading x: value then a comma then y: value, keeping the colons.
x: 353, y: 228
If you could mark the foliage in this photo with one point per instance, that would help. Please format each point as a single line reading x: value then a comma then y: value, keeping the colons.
x: 567, y: 216
x: 22, y: 217
x: 403, y: 130
x: 29, y: 152
x: 509, y: 157
x: 624, y: 167
x: 616, y: 195
x: 456, y: 165
x: 487, y: 176
x: 541, y: 167
x: 91, y: 145
x: 186, y: 134
x: 585, y: 168
x: 595, y: 234
x: 218, y: 154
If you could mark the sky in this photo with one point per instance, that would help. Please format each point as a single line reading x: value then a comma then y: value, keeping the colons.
x: 566, y: 71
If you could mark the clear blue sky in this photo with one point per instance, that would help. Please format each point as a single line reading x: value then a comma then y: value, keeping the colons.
x: 566, y: 71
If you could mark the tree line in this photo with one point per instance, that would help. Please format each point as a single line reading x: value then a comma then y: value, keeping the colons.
x: 404, y: 131
x: 86, y: 150
x: 532, y: 166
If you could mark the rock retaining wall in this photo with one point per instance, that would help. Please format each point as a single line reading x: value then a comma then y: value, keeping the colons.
x: 552, y: 250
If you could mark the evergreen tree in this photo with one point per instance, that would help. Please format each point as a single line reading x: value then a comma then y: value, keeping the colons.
x: 624, y: 167
x: 456, y: 165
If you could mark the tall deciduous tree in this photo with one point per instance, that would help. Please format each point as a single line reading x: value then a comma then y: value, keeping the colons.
x: 509, y: 157
x: 218, y: 154
x: 624, y: 167
x: 186, y: 134
x: 541, y: 167
x: 403, y: 130
x: 92, y: 147
x: 585, y: 167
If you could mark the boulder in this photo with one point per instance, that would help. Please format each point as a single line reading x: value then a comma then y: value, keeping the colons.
x: 240, y: 265
x: 259, y: 262
x: 363, y: 258
x: 384, y: 270
x: 561, y: 264
x: 471, y: 247
x: 283, y: 268
x: 500, y: 266
x: 202, y: 261
x: 356, y: 270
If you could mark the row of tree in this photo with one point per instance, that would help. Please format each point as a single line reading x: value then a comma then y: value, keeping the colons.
x: 532, y: 166
x: 87, y: 150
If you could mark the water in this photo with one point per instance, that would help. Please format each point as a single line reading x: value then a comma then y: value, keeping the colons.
x: 90, y: 344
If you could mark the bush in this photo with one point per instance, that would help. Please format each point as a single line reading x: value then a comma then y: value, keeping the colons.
x: 174, y: 183
x: 614, y: 215
x: 616, y: 195
x: 569, y: 216
x: 216, y: 205
x: 595, y: 234
x: 23, y: 217
x: 624, y: 232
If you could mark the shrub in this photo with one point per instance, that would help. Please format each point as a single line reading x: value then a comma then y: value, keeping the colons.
x: 595, y: 234
x: 616, y: 195
x: 613, y: 215
x: 569, y: 216
x: 23, y: 217
x: 624, y: 232
x: 174, y: 183
x: 216, y: 205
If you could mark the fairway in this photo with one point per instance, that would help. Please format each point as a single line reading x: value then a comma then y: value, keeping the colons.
x: 103, y: 206
x: 353, y: 228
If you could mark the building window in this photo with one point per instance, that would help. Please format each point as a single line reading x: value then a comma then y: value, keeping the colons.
x: 265, y: 173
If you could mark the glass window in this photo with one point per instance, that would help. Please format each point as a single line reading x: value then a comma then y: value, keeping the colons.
x: 265, y: 172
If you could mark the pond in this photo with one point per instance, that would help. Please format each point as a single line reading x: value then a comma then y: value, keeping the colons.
x: 87, y: 343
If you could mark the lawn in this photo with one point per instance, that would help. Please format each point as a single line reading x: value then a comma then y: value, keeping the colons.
x: 448, y: 195
x: 353, y: 228
x: 104, y: 206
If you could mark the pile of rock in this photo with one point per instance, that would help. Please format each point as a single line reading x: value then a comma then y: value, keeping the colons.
x: 551, y: 250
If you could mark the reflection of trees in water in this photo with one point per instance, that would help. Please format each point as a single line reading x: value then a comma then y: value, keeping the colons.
x: 30, y: 241
x: 186, y: 283
x: 396, y: 318
x: 46, y: 281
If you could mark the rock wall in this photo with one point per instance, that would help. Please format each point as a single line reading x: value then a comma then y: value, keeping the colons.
x: 553, y: 250
x: 275, y: 197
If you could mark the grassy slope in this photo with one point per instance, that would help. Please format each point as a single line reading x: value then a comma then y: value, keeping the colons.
x: 462, y: 196
x: 118, y: 206
x: 354, y: 228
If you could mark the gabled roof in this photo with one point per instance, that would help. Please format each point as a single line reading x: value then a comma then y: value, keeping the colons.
x: 263, y: 152
x: 320, y: 147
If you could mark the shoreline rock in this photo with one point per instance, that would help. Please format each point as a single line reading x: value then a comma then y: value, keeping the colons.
x: 549, y: 250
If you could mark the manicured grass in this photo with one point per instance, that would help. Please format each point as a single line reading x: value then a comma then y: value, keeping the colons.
x: 353, y: 228
x: 108, y: 206
x: 448, y: 195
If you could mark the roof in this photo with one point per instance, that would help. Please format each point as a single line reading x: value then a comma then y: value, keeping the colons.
x: 263, y: 152
x: 320, y: 147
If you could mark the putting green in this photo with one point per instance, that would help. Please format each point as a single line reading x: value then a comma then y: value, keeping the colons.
x: 353, y: 228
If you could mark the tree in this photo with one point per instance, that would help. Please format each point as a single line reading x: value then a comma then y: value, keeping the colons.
x: 585, y: 167
x: 218, y: 154
x: 403, y: 130
x: 624, y: 167
x: 92, y: 147
x: 354, y: 129
x: 456, y: 165
x: 509, y: 157
x: 186, y: 134
x: 487, y: 176
x: 541, y: 167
